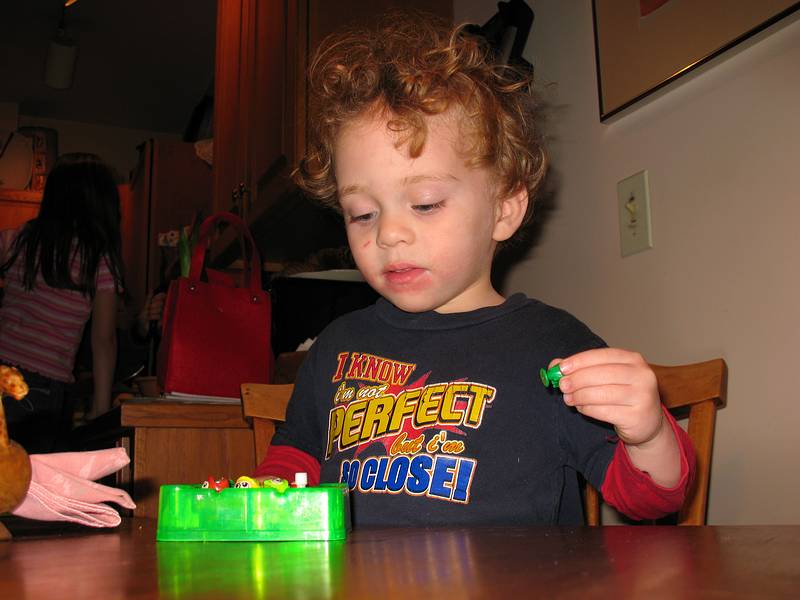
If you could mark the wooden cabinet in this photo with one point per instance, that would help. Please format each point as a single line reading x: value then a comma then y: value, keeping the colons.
x: 184, y: 443
x: 169, y: 186
x: 253, y: 98
x: 17, y: 207
x: 263, y: 50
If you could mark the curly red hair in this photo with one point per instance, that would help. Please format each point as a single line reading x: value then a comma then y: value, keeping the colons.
x: 412, y: 68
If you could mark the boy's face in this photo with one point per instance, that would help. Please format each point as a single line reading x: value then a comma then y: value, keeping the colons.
x: 423, y: 230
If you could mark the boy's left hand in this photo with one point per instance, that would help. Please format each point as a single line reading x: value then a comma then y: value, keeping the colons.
x: 615, y: 386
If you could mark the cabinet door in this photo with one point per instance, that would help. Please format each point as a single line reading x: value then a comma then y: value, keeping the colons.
x: 271, y: 119
x: 229, y: 122
x: 169, y: 187
x: 17, y: 207
x: 253, y: 110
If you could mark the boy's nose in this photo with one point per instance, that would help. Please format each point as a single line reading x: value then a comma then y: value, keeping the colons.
x: 393, y: 230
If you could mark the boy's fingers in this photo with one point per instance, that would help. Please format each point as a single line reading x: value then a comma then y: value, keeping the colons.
x: 598, y: 356
x: 602, y: 412
x: 599, y: 375
x: 553, y: 362
x: 605, y: 395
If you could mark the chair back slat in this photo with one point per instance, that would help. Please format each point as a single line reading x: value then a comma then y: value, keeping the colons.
x: 265, y: 404
x: 685, y: 385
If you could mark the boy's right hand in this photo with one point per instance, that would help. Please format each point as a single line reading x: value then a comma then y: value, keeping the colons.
x: 619, y: 387
x: 616, y: 386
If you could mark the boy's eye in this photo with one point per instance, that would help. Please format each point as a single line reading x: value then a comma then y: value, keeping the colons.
x: 427, y: 208
x: 360, y: 218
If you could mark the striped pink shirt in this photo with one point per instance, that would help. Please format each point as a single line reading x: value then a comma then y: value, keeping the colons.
x: 40, y: 330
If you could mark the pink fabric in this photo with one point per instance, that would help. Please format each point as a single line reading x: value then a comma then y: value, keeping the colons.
x: 63, y: 488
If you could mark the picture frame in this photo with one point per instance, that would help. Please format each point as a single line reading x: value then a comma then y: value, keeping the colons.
x: 643, y: 45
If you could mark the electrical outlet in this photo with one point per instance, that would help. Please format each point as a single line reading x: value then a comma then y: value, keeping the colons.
x: 633, y: 196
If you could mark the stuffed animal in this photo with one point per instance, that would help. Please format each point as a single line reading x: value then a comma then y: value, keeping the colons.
x: 15, y: 466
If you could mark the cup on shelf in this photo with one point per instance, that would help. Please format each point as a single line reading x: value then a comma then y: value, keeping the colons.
x: 148, y: 386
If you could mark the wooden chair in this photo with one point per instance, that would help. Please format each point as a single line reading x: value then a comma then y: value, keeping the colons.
x: 265, y: 404
x: 697, y: 389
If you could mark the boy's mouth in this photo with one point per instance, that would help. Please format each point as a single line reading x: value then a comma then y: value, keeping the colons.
x: 402, y: 272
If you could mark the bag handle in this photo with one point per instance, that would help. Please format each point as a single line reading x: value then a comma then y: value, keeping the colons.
x: 245, y: 238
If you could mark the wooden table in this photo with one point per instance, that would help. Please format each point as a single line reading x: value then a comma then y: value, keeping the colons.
x: 533, y: 562
x: 180, y: 442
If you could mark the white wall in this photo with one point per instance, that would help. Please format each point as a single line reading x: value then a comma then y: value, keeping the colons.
x: 115, y: 145
x: 722, y: 148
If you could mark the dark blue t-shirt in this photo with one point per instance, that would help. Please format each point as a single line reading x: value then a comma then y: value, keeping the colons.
x: 436, y: 419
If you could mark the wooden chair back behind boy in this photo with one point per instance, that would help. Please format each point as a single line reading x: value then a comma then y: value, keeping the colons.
x: 698, y: 390
x: 265, y: 404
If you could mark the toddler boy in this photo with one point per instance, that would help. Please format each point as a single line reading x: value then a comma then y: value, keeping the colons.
x: 428, y: 404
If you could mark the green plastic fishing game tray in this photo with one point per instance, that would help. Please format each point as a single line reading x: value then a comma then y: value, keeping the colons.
x: 191, y: 513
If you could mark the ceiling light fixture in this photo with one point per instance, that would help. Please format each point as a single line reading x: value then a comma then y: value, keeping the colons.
x: 62, y: 53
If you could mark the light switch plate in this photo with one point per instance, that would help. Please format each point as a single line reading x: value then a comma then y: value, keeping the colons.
x: 633, y: 197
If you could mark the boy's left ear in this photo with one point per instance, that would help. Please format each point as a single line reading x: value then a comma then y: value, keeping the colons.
x: 509, y: 214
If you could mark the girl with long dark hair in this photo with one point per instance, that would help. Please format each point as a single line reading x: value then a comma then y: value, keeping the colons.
x: 59, y: 269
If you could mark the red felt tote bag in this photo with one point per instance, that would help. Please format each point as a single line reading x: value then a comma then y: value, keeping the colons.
x: 216, y: 336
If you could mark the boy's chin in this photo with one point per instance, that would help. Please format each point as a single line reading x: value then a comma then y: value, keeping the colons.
x: 412, y: 305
